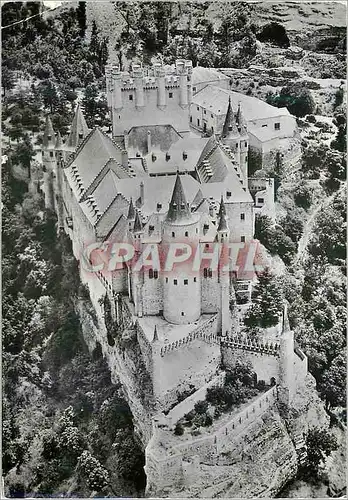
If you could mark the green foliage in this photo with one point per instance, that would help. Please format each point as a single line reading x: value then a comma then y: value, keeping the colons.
x: 267, y: 302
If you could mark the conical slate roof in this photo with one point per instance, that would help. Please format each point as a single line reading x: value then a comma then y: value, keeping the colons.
x: 48, y: 138
x: 241, y: 123
x: 222, y: 214
x: 179, y: 211
x: 155, y: 335
x: 131, y: 210
x: 79, y: 129
x: 138, y: 226
x: 230, y: 127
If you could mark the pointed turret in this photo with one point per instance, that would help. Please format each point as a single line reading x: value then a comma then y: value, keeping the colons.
x: 230, y: 127
x: 79, y: 129
x: 131, y: 210
x: 155, y: 335
x: 48, y: 141
x: 179, y: 210
x: 222, y: 209
x: 138, y: 226
x: 59, y: 142
x: 241, y: 123
x: 222, y: 227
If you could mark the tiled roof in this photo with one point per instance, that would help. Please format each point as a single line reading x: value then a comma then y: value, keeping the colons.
x: 97, y: 149
x: 201, y: 75
x: 215, y: 99
x: 162, y: 138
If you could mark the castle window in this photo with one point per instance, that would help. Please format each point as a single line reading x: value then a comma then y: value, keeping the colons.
x: 205, y: 112
x: 170, y: 95
x: 212, y: 129
x: 205, y: 272
x: 188, y: 78
x: 195, y: 280
x: 166, y: 280
x: 197, y: 122
x: 159, y: 206
x: 277, y: 126
x: 196, y: 230
x: 155, y: 274
x: 190, y: 119
x: 130, y: 97
x: 173, y: 234
x: 207, y: 245
x: 185, y: 282
x: 175, y: 282
x: 151, y: 228
x: 197, y: 108
x: 242, y: 239
x: 80, y: 135
x: 236, y: 145
x: 150, y: 274
x: 186, y: 233
x: 167, y: 156
x: 212, y: 116
x: 194, y: 89
x: 153, y: 157
x: 210, y: 273
x: 228, y: 194
x: 260, y: 200
x: 184, y: 155
x: 242, y: 216
x: 51, y: 154
x: 182, y: 313
x: 246, y: 144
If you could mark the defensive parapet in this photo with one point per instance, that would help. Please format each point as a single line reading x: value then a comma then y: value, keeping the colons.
x: 251, y: 346
x: 149, y: 96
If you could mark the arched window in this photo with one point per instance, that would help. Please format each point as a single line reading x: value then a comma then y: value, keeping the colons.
x: 155, y: 274
x: 150, y: 274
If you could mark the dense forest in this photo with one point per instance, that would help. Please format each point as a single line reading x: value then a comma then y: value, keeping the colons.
x: 66, y: 428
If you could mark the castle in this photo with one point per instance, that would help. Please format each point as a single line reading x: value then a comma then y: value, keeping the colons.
x: 155, y: 183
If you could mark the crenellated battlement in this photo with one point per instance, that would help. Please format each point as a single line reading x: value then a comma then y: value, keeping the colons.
x: 269, y: 349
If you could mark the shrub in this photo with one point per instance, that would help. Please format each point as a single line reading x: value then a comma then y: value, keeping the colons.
x: 179, y: 429
x: 201, y: 407
x: 311, y: 119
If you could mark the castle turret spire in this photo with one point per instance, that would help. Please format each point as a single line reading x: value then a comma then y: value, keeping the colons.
x: 138, y: 226
x: 48, y: 138
x: 230, y: 127
x: 179, y: 210
x: 285, y: 319
x: 131, y: 210
x: 222, y: 213
x: 155, y: 335
x: 79, y: 129
x: 240, y: 120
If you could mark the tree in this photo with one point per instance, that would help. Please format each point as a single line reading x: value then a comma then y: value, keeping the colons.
x: 267, y: 302
x: 333, y: 386
x: 320, y: 444
x: 90, y: 105
x: 23, y: 153
x: 297, y: 98
x: 81, y: 18
x: 340, y: 142
x: 339, y: 97
x: 7, y: 79
x: 96, y: 476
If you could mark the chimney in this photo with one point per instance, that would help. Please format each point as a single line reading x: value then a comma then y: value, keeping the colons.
x: 125, y: 159
x: 148, y: 141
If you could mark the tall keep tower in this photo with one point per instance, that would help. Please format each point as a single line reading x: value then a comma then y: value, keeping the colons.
x: 181, y: 284
x: 243, y: 143
x: 149, y: 97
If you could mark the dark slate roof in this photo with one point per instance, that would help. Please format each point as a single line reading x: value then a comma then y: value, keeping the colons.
x: 230, y: 127
x: 162, y: 137
x: 78, y: 126
x: 179, y: 210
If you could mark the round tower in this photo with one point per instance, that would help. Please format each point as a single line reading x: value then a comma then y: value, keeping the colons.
x: 181, y: 285
x: 222, y: 237
x: 230, y: 136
